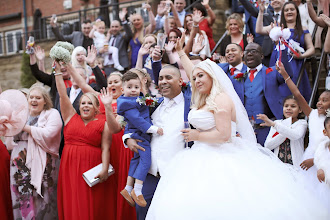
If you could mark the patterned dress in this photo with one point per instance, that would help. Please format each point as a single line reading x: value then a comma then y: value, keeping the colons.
x: 27, y: 203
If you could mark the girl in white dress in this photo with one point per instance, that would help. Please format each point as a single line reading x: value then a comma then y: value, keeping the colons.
x: 223, y: 176
x: 316, y: 119
x: 322, y: 163
x: 286, y: 136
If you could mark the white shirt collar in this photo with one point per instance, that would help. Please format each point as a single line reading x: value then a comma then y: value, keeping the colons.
x: 238, y: 67
x: 258, y: 68
x: 177, y: 99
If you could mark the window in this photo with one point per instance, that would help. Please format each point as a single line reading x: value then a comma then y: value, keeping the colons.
x: 1, y: 44
x: 13, y: 41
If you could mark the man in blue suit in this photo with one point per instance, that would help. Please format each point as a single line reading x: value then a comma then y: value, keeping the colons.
x: 235, y: 68
x: 261, y: 89
x: 250, y: 22
x: 170, y: 114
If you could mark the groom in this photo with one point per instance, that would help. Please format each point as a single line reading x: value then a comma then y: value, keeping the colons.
x: 170, y: 115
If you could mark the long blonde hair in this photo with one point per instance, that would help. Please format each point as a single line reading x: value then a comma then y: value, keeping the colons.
x: 199, y: 100
x: 44, y: 93
x: 141, y: 35
x: 94, y: 100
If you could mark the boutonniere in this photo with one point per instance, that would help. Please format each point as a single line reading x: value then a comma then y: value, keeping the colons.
x: 240, y: 76
x: 147, y: 100
x: 184, y: 85
x: 121, y: 121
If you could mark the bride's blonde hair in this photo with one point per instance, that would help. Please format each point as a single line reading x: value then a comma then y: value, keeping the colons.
x: 199, y: 100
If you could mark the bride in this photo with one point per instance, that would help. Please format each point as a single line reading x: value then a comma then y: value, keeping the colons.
x: 224, y: 176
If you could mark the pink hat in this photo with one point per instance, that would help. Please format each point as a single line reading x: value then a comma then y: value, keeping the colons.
x: 13, y: 112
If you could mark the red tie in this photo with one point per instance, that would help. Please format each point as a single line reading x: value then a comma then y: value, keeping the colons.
x: 232, y: 70
x: 252, y: 75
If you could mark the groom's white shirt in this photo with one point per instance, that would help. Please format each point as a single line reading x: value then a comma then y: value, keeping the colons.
x: 170, y: 117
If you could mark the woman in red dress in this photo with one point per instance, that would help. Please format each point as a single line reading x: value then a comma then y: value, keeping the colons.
x: 207, y: 22
x: 87, y: 144
x: 120, y: 157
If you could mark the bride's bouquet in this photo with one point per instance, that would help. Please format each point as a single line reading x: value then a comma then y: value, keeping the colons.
x: 61, y: 52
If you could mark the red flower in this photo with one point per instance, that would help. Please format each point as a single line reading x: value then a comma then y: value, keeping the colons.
x: 239, y: 76
x: 149, y: 102
x: 183, y: 84
x: 269, y: 70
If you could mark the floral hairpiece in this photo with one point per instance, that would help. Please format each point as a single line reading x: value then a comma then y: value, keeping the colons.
x: 327, y: 113
x: 147, y: 100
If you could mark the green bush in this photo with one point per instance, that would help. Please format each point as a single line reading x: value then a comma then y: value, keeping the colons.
x: 27, y: 79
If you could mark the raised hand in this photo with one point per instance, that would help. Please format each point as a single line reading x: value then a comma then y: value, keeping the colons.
x: 122, y: 14
x: 205, y: 2
x: 106, y: 96
x: 169, y: 46
x: 199, y: 45
x: 40, y: 53
x: 222, y: 59
x: 261, y: 6
x: 147, y: 6
x: 197, y: 17
x: 267, y: 122
x: 144, y: 49
x: 249, y: 38
x: 161, y: 9
x: 91, y: 55
x: 180, y: 42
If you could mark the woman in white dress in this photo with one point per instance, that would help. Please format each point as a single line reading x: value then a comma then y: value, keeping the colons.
x: 224, y: 176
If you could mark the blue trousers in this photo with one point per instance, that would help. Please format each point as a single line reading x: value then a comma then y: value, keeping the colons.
x: 148, y: 190
x: 141, y: 162
x: 262, y: 134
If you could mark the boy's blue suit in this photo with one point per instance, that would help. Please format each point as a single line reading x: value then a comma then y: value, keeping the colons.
x: 238, y: 86
x: 150, y: 184
x: 138, y: 122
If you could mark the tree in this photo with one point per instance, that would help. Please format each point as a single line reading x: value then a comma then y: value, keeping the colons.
x: 27, y: 79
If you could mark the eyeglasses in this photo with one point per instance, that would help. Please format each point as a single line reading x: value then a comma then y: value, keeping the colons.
x: 253, y: 52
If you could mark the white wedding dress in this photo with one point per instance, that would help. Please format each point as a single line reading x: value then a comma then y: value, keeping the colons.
x: 235, y: 180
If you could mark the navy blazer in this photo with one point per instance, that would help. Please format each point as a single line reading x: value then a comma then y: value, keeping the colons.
x: 236, y: 83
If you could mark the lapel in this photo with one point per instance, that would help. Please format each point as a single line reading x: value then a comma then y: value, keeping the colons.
x: 152, y: 109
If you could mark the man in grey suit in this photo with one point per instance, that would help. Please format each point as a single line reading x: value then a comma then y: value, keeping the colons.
x: 273, y: 14
x: 77, y: 38
x: 120, y: 41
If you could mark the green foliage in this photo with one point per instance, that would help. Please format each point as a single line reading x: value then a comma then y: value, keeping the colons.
x: 27, y: 79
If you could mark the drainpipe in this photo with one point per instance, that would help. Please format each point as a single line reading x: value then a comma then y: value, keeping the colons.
x: 25, y: 21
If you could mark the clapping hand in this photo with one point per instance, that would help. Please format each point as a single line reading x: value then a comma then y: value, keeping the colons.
x: 40, y: 53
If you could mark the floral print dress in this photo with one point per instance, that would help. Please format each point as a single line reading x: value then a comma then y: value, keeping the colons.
x: 27, y: 203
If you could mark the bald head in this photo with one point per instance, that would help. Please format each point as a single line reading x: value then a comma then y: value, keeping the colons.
x: 115, y: 27
x: 173, y: 69
x: 170, y: 81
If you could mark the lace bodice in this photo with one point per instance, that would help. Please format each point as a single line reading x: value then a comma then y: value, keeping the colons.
x: 204, y: 120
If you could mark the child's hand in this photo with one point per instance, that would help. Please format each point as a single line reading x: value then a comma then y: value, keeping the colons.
x: 160, y: 131
x: 320, y: 175
x: 306, y: 164
x: 267, y: 121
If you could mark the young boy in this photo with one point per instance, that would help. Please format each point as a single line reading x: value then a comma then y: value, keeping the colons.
x: 135, y: 111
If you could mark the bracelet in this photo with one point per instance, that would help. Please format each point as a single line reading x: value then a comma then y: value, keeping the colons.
x: 196, y: 26
x: 56, y: 74
x: 287, y: 79
x: 182, y: 55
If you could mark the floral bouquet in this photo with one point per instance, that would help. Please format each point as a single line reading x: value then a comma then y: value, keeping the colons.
x: 65, y: 45
x: 60, y: 54
x: 147, y: 100
x: 240, y: 76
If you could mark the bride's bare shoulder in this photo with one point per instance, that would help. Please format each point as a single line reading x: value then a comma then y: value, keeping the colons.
x: 223, y: 100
